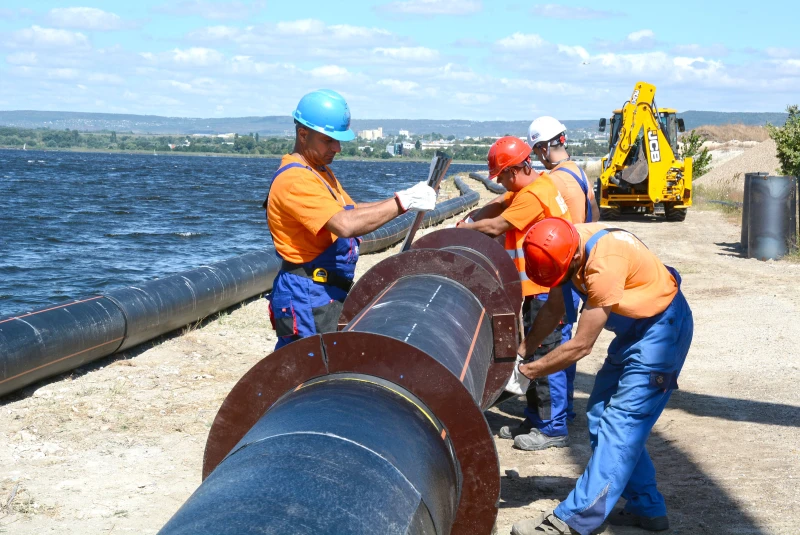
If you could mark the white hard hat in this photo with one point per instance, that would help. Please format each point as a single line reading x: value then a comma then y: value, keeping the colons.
x: 544, y: 129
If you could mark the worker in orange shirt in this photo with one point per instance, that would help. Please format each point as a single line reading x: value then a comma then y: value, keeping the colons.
x: 547, y: 136
x: 627, y: 290
x: 531, y: 197
x: 315, y: 224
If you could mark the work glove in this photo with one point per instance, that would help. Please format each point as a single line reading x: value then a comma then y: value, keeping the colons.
x: 518, y: 383
x: 418, y: 198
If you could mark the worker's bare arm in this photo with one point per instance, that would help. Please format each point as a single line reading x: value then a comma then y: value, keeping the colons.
x: 491, y: 210
x: 491, y: 227
x: 591, y: 323
x: 363, y: 219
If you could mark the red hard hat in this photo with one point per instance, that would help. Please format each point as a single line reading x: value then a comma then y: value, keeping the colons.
x: 549, y: 247
x: 507, y: 152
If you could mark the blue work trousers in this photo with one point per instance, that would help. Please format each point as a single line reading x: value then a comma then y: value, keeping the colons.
x: 629, y: 394
x: 547, y: 396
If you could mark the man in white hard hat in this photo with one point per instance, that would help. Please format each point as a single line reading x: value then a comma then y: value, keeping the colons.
x: 547, y: 136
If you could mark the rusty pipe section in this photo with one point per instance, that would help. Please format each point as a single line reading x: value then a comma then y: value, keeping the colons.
x: 377, y: 428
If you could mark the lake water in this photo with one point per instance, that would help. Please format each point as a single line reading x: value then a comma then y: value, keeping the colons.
x: 77, y: 224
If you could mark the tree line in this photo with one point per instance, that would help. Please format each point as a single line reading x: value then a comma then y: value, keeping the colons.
x: 248, y: 144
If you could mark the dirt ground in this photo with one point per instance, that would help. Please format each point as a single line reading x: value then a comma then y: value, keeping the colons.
x: 116, y: 447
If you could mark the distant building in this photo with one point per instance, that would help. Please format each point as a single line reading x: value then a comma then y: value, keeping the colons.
x: 404, y: 133
x: 371, y: 135
x: 407, y: 146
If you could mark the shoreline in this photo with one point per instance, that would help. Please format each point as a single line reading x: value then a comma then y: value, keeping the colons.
x: 229, y: 155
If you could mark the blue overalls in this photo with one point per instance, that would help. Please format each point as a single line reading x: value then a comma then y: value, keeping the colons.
x: 301, y: 307
x: 629, y: 394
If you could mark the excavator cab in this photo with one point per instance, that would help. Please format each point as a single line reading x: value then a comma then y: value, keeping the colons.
x: 641, y: 171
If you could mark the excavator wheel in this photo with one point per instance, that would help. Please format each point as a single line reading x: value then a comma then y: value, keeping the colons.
x: 674, y: 214
x: 610, y: 214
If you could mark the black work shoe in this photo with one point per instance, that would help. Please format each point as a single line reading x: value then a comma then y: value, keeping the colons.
x: 522, y: 429
x: 536, y: 440
x: 650, y: 523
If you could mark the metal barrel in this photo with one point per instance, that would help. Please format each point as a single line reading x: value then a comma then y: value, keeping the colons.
x: 772, y: 217
x: 377, y: 428
x: 748, y: 177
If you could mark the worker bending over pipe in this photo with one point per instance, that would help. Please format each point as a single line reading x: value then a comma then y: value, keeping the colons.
x: 626, y: 289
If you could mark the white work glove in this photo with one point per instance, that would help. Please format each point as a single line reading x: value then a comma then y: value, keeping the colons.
x: 418, y: 198
x: 518, y: 383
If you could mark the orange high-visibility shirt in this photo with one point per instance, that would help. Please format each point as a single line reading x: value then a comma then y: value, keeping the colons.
x: 534, y: 202
x: 299, y: 206
x: 571, y: 190
x: 621, y: 272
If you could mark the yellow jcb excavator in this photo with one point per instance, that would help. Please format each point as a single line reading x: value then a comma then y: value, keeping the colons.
x: 641, y: 172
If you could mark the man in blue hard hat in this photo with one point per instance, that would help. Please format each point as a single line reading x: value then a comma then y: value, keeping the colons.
x: 315, y: 224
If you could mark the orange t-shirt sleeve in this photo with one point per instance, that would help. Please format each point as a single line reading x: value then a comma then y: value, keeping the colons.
x: 605, y: 280
x: 311, y: 204
x: 524, y: 208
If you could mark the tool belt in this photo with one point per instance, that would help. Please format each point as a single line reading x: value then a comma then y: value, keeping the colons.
x: 318, y: 275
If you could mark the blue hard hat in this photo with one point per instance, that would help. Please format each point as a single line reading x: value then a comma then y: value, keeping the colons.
x: 327, y: 112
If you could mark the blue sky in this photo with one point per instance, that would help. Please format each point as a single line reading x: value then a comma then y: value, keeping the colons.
x: 435, y: 59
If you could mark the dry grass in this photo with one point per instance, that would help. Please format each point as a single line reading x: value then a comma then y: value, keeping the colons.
x: 730, y: 132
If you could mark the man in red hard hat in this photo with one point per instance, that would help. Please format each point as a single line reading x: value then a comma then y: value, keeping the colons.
x: 625, y: 289
x: 531, y: 197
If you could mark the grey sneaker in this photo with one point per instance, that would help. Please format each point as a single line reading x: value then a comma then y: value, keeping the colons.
x: 536, y: 440
x: 547, y: 524
x: 649, y: 523
x: 522, y: 429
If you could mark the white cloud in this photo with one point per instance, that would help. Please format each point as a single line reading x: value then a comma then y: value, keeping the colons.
x: 84, y: 18
x: 330, y: 71
x: 701, y: 50
x: 418, y: 53
x: 22, y: 58
x: 106, y: 79
x: 197, y: 57
x: 635, y: 37
x: 301, y: 27
x: 402, y: 87
x: 574, y: 51
x: 473, y: 99
x: 47, y: 38
x: 62, y: 74
x: 521, y: 41
x: 560, y: 11
x: 433, y: 7
x: 216, y: 10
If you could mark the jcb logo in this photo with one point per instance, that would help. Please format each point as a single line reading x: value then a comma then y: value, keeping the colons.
x: 652, y: 140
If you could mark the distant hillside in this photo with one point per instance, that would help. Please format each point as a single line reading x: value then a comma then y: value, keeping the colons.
x: 282, y: 125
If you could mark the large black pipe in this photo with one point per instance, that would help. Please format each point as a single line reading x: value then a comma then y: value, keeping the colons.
x: 344, y: 454
x: 377, y: 428
x: 439, y: 317
x: 53, y: 340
